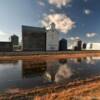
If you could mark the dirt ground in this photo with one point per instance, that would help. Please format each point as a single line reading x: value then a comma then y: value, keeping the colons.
x: 50, y: 57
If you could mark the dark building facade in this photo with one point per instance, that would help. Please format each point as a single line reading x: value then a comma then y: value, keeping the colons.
x: 63, y: 45
x: 6, y: 46
x: 14, y: 40
x: 76, y: 48
x: 33, y: 38
x: 84, y: 45
x: 79, y: 45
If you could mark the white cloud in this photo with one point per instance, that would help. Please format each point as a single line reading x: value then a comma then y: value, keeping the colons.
x: 71, y: 38
x: 52, y: 10
x: 63, y: 23
x: 77, y: 38
x: 90, y: 34
x: 59, y: 3
x: 4, y: 36
x: 41, y: 3
x: 2, y: 33
x: 74, y: 38
x: 45, y: 14
x: 87, y: 11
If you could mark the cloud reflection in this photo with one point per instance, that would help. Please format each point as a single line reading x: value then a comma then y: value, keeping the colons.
x: 89, y: 60
x: 57, y: 73
x: 63, y: 72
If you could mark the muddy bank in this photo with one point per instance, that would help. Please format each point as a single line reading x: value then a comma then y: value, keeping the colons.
x: 61, y: 92
x: 88, y: 91
x: 48, y: 56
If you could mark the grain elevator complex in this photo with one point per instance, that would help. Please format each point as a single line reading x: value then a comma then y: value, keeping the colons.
x: 40, y: 39
x: 52, y: 39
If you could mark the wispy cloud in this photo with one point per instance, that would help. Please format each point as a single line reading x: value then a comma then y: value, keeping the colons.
x: 63, y: 23
x: 52, y: 10
x: 87, y: 11
x: 74, y: 38
x: 59, y: 3
x: 41, y: 3
x: 90, y: 34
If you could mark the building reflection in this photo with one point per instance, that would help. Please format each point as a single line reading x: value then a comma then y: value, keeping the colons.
x: 90, y: 60
x: 87, y: 60
x: 63, y: 61
x: 79, y: 60
x: 76, y: 60
x: 96, y: 58
x: 31, y: 69
x: 55, y: 71
x: 8, y: 61
x: 52, y: 67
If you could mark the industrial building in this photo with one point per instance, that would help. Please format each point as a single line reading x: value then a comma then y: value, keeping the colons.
x: 14, y: 40
x: 63, y: 45
x: 6, y: 46
x: 52, y: 39
x: 93, y: 46
x: 33, y: 38
x: 84, y: 46
x: 40, y: 39
x: 79, y: 45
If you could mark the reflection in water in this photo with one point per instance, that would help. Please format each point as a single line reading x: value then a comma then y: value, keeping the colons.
x: 7, y: 62
x: 96, y: 58
x: 89, y: 60
x: 52, y: 68
x: 64, y: 72
x: 79, y: 60
x: 27, y: 74
x: 63, y: 61
x: 57, y: 71
x: 30, y: 69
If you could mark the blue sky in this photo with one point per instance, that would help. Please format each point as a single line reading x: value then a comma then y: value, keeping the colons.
x: 73, y: 18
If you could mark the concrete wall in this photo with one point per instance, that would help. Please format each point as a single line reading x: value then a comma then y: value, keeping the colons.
x: 93, y: 46
x: 52, y: 41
